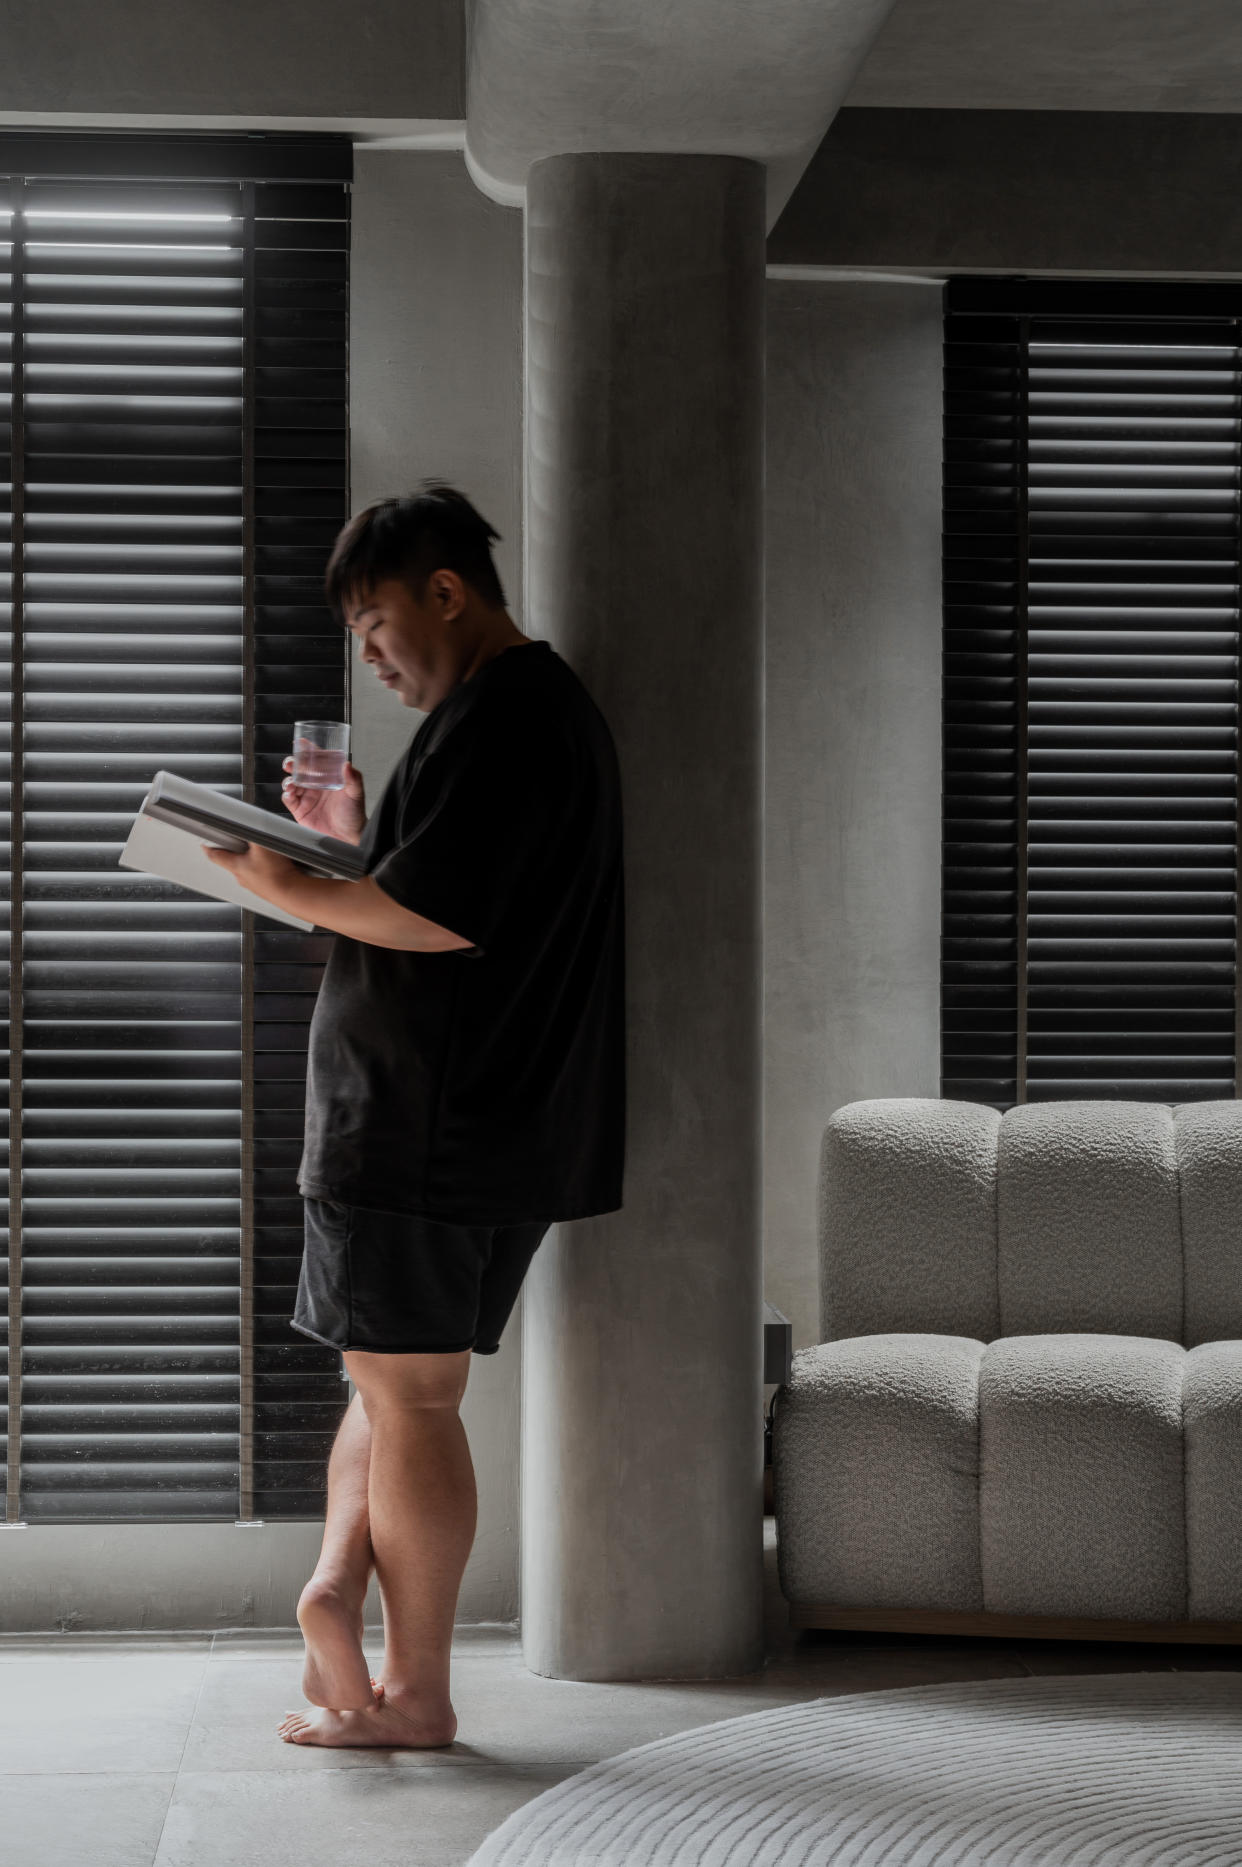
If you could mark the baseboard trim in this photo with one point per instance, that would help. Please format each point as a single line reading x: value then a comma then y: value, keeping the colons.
x: 1010, y: 1626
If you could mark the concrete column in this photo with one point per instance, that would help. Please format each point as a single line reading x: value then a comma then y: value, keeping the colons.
x: 642, y: 1389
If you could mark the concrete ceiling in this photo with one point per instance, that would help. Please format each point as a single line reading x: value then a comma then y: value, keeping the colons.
x: 765, y: 78
x: 1056, y: 55
x: 759, y: 78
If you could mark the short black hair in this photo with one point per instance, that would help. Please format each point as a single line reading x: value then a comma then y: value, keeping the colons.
x: 435, y: 528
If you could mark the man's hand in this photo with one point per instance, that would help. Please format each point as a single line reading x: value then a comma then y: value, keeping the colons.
x: 262, y: 871
x: 340, y: 813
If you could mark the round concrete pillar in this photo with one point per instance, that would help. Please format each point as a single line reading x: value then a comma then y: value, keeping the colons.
x: 642, y: 1385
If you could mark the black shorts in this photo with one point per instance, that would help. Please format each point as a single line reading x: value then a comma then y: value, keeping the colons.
x: 391, y: 1283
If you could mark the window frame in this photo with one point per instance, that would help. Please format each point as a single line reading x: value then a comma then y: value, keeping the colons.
x: 991, y: 1030
x: 293, y: 193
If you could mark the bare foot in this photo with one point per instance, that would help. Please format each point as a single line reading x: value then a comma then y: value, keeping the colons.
x: 379, y: 1724
x: 336, y: 1674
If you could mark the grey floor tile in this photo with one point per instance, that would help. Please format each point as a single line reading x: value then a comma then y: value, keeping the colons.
x: 820, y: 1669
x: 375, y: 1817
x: 99, y: 1706
x: 506, y: 1717
x: 261, y: 1643
x: 283, y: 1649
x: 509, y: 1716
x: 1107, y: 1656
x: 238, y: 1710
x: 117, y: 1713
x: 83, y: 1821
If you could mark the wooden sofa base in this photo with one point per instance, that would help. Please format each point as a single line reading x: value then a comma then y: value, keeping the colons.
x: 1010, y: 1626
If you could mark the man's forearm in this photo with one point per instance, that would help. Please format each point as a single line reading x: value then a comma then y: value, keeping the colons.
x: 364, y: 912
x: 359, y: 909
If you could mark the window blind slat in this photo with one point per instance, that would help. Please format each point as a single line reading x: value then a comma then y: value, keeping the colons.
x: 1091, y: 690
x: 136, y: 399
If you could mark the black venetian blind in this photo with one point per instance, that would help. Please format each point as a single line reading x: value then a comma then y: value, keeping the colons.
x: 1093, y: 454
x: 173, y: 323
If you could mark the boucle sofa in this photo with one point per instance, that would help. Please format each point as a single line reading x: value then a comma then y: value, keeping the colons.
x: 1026, y: 1416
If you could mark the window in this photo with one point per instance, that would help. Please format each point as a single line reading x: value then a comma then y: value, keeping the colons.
x: 174, y: 339
x: 1093, y: 454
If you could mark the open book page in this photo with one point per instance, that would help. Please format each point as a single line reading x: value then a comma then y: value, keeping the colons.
x: 175, y: 856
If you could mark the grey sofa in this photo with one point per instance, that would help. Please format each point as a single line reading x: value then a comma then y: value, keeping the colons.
x: 1026, y: 1415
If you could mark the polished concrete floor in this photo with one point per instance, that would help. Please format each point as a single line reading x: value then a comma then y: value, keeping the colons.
x: 143, y: 1751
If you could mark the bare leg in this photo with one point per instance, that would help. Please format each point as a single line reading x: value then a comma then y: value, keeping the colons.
x: 330, y: 1606
x: 422, y: 1513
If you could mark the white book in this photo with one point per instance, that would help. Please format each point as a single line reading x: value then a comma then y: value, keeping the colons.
x: 177, y: 817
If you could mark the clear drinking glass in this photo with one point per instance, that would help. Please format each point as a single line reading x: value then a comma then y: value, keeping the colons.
x: 320, y: 753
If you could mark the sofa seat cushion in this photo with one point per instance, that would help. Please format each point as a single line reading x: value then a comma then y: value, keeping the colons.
x: 1084, y: 1475
x: 1212, y: 1422
x: 875, y: 1473
x: 1081, y: 1485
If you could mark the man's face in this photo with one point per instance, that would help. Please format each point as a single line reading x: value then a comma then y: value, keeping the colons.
x: 408, y: 643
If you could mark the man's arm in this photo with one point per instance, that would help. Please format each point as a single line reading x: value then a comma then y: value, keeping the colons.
x: 359, y: 909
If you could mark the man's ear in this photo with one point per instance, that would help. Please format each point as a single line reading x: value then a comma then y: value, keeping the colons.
x: 448, y: 592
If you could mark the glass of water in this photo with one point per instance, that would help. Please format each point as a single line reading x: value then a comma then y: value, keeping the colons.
x: 320, y: 754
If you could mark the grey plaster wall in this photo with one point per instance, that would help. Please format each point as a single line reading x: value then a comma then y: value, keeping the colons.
x: 851, y: 887
x: 284, y: 58
x: 1089, y: 191
x: 135, y: 1577
x: 436, y: 390
x: 435, y: 378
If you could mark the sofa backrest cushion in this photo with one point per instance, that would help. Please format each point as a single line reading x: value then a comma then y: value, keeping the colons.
x: 1209, y: 1161
x: 907, y: 1202
x: 1117, y: 1217
x: 1088, y: 1226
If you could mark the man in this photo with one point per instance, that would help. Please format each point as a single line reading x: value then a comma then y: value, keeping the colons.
x: 465, y: 1082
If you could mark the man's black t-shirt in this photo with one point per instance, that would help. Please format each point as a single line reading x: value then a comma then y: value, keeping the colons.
x: 484, y: 1085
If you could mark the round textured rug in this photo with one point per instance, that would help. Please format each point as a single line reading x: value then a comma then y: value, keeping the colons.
x: 1119, y: 1770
